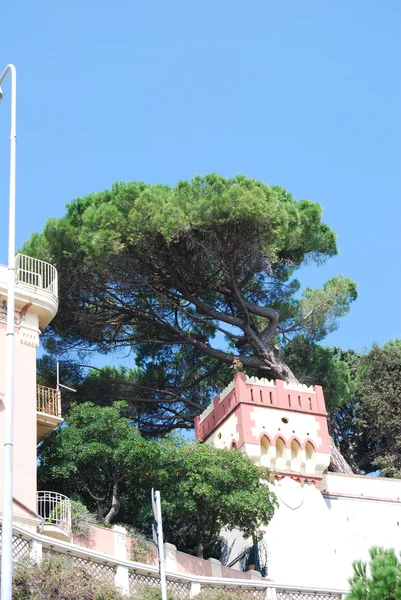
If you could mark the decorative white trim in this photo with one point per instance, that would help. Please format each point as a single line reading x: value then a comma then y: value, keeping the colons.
x: 262, y: 381
x: 227, y: 390
x: 301, y: 387
x: 206, y: 412
x: 29, y: 337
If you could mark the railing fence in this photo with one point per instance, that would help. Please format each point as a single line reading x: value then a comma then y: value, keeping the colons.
x: 182, y: 587
x: 36, y: 273
x: 48, y: 400
x: 55, y: 509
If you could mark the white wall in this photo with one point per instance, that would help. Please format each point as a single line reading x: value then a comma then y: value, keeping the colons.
x: 315, y: 535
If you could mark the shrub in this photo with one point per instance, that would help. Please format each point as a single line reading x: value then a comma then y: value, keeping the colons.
x: 81, y: 519
x: 382, y: 581
x: 142, y: 549
x: 147, y: 592
x: 59, y: 578
x: 222, y: 594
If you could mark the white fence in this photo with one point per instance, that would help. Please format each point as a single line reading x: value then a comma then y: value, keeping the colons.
x: 128, y: 575
x: 55, y: 509
x: 37, y: 273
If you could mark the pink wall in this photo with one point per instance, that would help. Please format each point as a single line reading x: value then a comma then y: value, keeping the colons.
x: 244, y: 395
x: 103, y: 540
x: 186, y: 563
x: 100, y: 539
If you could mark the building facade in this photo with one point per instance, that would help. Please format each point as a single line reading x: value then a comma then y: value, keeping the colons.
x: 324, y: 520
x: 37, y: 409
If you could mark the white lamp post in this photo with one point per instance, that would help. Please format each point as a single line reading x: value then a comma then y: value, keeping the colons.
x: 7, y: 542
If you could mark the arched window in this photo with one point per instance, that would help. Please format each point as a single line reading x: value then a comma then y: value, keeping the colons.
x: 310, y: 457
x: 280, y: 454
x: 233, y: 445
x: 295, y: 456
x: 264, y: 451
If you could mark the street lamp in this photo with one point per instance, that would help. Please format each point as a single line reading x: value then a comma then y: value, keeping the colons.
x: 7, y: 541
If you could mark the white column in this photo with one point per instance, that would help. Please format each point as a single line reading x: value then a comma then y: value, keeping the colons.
x: 216, y: 567
x: 254, y: 574
x: 195, y: 589
x: 170, y: 553
x: 36, y: 551
x: 120, y: 542
x: 121, y: 579
x: 271, y: 593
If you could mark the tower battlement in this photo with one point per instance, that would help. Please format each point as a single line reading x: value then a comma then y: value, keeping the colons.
x: 278, y: 425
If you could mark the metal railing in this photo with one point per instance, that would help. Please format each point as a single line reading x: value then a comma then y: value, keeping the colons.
x: 55, y: 509
x: 48, y: 400
x: 102, y: 566
x: 37, y: 273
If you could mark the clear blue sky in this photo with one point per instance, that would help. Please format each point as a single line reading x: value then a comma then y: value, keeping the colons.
x: 304, y: 94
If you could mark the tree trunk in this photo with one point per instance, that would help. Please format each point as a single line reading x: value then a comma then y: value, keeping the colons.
x: 276, y: 368
x: 280, y: 370
x: 338, y: 464
x: 100, y: 511
x: 115, y: 505
x: 199, y: 542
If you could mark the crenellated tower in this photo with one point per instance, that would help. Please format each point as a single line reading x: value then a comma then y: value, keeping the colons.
x: 277, y: 425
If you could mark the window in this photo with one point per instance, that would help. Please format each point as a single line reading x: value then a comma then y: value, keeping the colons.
x: 280, y: 454
x: 310, y: 457
x: 295, y: 456
x: 264, y: 452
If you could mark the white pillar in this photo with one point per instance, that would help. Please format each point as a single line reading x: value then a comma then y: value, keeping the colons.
x: 195, y: 589
x: 216, y: 567
x: 170, y: 553
x: 271, y: 593
x: 120, y: 542
x: 254, y: 574
x: 121, y: 579
x: 36, y: 551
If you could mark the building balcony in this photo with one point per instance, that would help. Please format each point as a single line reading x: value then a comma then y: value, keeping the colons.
x: 55, y: 510
x: 48, y: 410
x: 36, y: 286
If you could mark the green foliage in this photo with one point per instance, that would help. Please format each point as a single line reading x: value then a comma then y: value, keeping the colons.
x: 321, y: 365
x: 81, y: 519
x: 205, y: 489
x: 93, y: 456
x: 142, y: 549
x: 221, y: 594
x: 383, y: 582
x: 102, y: 458
x: 147, y: 592
x: 377, y: 412
x: 59, y: 578
x: 160, y: 271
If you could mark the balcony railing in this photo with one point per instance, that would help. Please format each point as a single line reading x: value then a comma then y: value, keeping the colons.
x: 48, y: 400
x: 37, y: 273
x: 55, y: 509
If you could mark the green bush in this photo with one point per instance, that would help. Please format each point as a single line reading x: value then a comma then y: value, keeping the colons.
x: 59, y: 578
x: 141, y: 547
x: 382, y: 581
x: 146, y: 592
x: 221, y: 594
x: 81, y: 519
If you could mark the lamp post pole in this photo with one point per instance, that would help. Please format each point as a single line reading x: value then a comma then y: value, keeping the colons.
x: 7, y: 537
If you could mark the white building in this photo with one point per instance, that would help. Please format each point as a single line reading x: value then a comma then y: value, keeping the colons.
x: 325, y: 520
